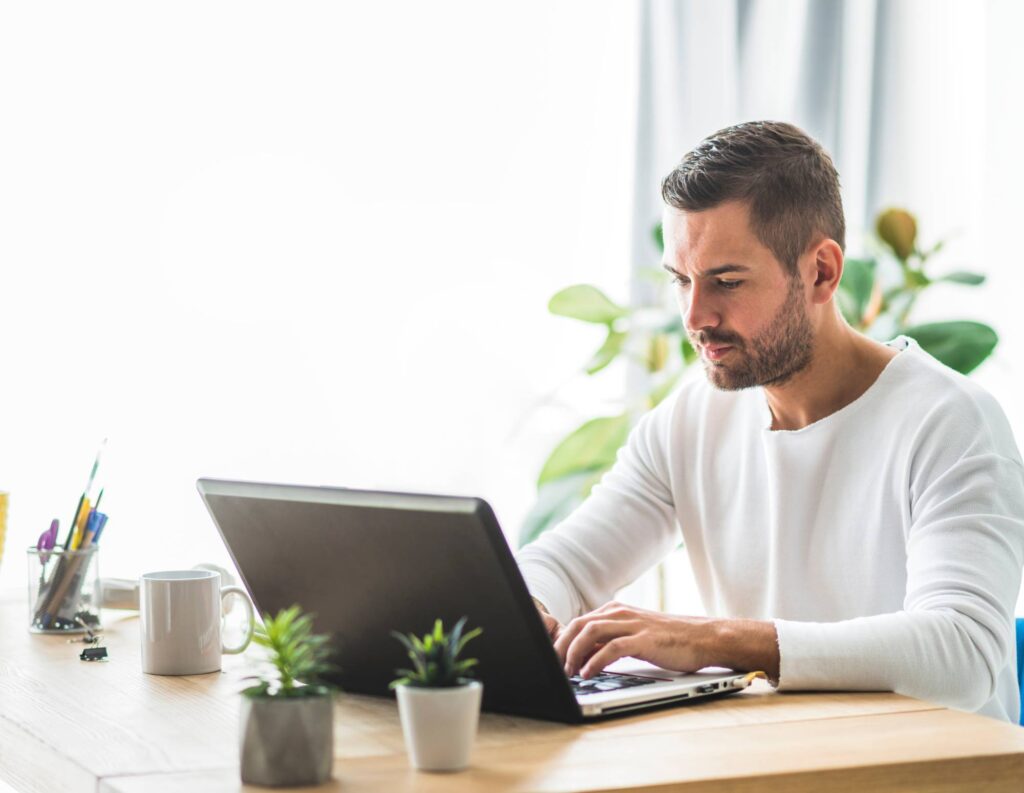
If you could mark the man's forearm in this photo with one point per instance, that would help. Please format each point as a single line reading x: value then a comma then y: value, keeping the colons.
x: 746, y: 645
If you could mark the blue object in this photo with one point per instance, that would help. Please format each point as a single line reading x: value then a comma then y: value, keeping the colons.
x: 100, y: 523
x: 92, y: 526
x: 1020, y: 661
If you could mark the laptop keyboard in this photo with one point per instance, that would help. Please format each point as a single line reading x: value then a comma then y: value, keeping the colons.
x: 606, y: 681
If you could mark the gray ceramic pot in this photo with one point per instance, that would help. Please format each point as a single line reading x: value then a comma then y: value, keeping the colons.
x: 287, y: 742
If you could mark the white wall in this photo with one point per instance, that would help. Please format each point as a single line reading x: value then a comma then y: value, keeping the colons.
x: 306, y: 242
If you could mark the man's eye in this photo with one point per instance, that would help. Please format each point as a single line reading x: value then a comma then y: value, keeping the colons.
x: 729, y: 284
x: 682, y: 282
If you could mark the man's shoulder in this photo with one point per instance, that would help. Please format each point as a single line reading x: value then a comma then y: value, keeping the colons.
x: 942, y: 400
x: 932, y: 383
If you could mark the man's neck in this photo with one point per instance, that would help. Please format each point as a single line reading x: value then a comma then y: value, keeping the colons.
x: 843, y: 366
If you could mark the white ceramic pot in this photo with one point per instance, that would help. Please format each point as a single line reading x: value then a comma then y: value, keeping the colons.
x: 439, y: 724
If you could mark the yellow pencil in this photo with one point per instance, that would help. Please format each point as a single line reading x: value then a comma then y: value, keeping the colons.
x: 80, y: 520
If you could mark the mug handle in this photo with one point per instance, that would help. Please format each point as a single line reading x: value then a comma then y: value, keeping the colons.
x: 224, y: 592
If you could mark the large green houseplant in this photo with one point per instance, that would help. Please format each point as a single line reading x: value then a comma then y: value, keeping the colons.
x: 876, y: 296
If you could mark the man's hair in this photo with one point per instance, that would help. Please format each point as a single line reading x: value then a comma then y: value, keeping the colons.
x: 785, y: 177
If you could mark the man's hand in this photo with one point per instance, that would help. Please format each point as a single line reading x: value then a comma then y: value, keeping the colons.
x: 683, y: 644
x: 591, y: 642
x: 553, y: 626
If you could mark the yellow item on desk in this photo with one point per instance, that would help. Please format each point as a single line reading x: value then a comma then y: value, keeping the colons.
x: 80, y: 521
x: 3, y: 522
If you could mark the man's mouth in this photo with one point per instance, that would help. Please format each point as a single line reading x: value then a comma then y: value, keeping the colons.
x: 715, y: 352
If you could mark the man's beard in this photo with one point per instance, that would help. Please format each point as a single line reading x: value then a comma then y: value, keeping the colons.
x: 772, y: 357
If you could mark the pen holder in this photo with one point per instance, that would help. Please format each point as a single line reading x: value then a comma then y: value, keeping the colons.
x: 63, y: 590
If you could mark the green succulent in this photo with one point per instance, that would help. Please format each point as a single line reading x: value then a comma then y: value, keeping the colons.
x: 435, y: 657
x: 298, y: 656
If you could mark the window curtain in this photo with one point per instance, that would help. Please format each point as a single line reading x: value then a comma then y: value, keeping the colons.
x: 918, y: 101
x: 704, y: 66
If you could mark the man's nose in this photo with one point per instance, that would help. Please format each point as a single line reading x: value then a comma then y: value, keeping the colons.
x: 699, y: 312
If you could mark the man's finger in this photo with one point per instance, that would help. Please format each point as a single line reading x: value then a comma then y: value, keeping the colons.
x: 609, y: 653
x: 590, y: 638
x: 609, y: 611
x: 569, y: 632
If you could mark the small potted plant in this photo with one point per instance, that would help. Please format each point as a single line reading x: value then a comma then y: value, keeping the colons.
x: 438, y: 703
x: 287, y: 736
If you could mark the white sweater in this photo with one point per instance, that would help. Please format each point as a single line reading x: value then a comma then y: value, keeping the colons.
x: 885, y: 541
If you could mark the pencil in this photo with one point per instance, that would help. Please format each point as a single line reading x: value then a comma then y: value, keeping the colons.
x: 74, y: 523
x: 85, y: 495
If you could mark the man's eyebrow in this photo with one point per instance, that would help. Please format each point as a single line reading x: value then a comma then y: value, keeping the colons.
x: 720, y: 270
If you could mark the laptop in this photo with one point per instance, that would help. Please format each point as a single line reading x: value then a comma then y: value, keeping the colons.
x: 367, y: 562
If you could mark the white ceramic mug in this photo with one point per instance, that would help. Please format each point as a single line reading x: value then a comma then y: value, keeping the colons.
x: 180, y: 612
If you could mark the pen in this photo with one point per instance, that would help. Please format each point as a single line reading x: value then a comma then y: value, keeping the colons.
x: 99, y: 528
x: 89, y: 535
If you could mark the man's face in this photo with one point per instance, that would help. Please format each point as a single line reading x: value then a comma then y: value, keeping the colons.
x: 744, y: 313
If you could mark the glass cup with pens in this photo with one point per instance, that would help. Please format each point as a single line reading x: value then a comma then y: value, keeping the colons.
x: 63, y: 580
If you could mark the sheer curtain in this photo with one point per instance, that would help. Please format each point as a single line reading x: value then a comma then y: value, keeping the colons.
x: 918, y: 101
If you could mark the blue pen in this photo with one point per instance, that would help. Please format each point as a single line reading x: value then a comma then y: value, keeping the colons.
x: 99, y: 527
x: 91, y: 527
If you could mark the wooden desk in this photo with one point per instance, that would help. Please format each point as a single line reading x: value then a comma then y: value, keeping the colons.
x: 68, y: 725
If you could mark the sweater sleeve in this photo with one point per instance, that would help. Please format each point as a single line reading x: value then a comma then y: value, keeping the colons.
x: 965, y: 549
x: 624, y: 527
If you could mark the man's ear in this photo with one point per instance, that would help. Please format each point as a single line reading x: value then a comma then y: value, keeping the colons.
x: 827, y: 258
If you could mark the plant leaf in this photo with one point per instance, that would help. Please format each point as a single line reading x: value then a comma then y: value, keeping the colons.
x: 555, y: 500
x: 658, y: 234
x: 963, y: 277
x: 297, y: 655
x: 915, y: 279
x: 687, y: 350
x: 608, y: 352
x: 663, y: 389
x: 897, y: 228
x: 657, y: 353
x: 593, y: 445
x: 466, y: 639
x: 855, y: 287
x: 455, y: 636
x: 258, y: 690
x: 961, y: 345
x: 587, y: 303
x: 651, y: 275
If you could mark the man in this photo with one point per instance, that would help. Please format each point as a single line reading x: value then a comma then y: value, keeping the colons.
x: 853, y: 511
